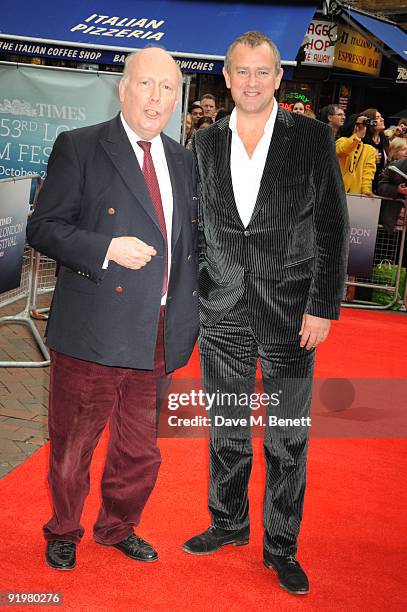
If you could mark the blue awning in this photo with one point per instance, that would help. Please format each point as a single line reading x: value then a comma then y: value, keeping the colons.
x: 393, y: 37
x: 184, y: 28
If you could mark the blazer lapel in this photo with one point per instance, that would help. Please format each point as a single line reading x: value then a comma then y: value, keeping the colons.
x: 223, y: 145
x: 278, y: 150
x: 176, y: 169
x: 118, y: 148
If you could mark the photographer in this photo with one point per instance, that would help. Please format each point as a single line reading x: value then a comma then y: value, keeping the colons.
x: 357, y: 159
x: 376, y: 138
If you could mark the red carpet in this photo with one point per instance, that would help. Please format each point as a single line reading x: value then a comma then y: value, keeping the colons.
x: 353, y: 541
x: 363, y: 344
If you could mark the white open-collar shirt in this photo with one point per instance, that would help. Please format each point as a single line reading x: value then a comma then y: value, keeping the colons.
x: 164, y: 181
x: 247, y: 172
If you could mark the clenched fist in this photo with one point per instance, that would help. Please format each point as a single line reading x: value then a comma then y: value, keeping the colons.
x: 130, y: 252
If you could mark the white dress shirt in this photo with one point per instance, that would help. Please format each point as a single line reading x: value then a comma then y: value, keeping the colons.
x: 247, y: 172
x: 164, y: 182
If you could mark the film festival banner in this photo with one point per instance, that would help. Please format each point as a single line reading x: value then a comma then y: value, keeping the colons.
x: 14, y: 206
x: 35, y: 106
x: 363, y: 217
x: 38, y: 104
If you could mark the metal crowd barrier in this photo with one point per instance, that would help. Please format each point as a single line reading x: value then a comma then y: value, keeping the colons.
x: 30, y: 286
x: 44, y: 282
x: 38, y: 277
x: 389, y: 249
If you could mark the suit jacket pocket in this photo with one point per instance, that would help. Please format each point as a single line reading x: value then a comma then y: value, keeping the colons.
x: 299, y: 270
x: 288, y: 181
x: 298, y: 263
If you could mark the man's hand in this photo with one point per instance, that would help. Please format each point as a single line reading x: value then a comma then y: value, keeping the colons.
x: 314, y: 330
x: 130, y: 252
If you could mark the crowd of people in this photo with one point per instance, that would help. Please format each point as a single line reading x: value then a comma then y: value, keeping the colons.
x: 368, y: 154
x: 366, y: 150
x: 201, y: 114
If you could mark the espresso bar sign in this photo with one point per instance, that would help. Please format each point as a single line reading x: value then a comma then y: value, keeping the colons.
x: 354, y: 52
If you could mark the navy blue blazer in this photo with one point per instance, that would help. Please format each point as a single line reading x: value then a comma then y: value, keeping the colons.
x: 95, y: 191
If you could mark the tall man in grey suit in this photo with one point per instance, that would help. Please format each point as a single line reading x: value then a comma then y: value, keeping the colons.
x: 273, y: 248
x: 116, y: 211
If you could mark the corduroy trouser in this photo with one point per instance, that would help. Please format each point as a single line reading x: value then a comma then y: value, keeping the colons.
x: 84, y: 396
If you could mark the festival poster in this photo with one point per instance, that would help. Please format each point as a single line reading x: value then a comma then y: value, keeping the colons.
x: 37, y: 104
x: 363, y: 217
x: 14, y: 207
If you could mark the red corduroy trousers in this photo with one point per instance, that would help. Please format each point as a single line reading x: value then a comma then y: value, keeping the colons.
x: 84, y: 396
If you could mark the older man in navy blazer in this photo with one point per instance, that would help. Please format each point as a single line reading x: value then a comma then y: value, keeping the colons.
x: 117, y: 212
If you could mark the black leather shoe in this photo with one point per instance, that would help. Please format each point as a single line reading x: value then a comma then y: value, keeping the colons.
x: 213, y: 538
x: 290, y: 573
x: 61, y: 554
x: 136, y: 548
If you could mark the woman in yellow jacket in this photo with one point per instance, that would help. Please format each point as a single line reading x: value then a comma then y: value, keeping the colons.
x: 357, y: 160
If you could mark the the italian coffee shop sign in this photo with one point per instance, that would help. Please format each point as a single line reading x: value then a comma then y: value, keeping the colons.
x: 355, y: 52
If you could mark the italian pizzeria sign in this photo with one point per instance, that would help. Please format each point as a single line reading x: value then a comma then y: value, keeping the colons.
x: 121, y: 27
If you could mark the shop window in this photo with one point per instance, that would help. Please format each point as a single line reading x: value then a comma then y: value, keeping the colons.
x: 292, y: 92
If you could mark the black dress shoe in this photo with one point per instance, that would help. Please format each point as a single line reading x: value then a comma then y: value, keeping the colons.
x: 136, y: 548
x: 290, y: 573
x: 213, y: 538
x: 61, y: 554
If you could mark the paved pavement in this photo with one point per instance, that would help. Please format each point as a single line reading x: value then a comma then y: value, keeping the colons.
x: 23, y: 392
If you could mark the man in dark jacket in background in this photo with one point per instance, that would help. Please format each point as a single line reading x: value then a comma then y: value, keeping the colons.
x: 392, y: 184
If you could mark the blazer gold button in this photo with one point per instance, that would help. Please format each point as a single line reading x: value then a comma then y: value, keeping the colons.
x: 119, y: 289
x: 189, y: 257
x: 194, y: 293
x: 111, y: 211
x: 246, y: 233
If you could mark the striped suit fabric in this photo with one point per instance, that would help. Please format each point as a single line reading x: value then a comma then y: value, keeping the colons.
x: 256, y: 282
